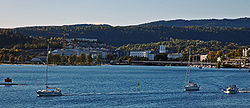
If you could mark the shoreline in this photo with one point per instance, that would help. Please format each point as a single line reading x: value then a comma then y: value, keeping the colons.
x: 120, y: 64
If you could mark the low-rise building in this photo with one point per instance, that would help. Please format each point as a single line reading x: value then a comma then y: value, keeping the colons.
x: 218, y: 59
x: 245, y: 52
x: 39, y: 60
x: 175, y: 55
x: 67, y: 52
x: 151, y: 56
x: 140, y: 53
x: 162, y: 49
x: 203, y: 57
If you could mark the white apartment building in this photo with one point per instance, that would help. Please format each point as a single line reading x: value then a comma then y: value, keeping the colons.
x: 244, y: 52
x: 140, y: 53
x: 203, y: 57
x: 151, y: 56
x: 82, y: 39
x: 175, y: 55
x: 162, y: 49
x: 67, y: 52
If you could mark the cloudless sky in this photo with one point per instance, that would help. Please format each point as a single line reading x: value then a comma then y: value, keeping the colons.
x: 16, y: 13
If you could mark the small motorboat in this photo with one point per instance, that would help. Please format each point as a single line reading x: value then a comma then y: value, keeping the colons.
x: 49, y: 92
x: 8, y: 80
x: 232, y: 89
x: 191, y: 87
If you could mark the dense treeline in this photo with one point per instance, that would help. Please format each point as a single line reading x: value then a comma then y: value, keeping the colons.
x: 12, y: 39
x: 118, y: 36
x: 182, y: 46
x: 9, y: 38
x: 213, y: 48
x: 240, y: 22
x: 73, y: 60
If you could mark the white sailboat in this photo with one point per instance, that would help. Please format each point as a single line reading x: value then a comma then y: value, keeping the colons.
x: 49, y: 91
x: 190, y: 86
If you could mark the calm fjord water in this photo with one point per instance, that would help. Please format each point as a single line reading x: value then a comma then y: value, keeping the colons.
x: 116, y: 86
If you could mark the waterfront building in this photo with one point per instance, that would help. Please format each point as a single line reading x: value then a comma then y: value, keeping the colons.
x: 203, y: 57
x: 67, y: 52
x: 140, y: 53
x: 175, y: 55
x: 245, y: 52
x: 82, y: 39
x: 162, y: 49
x: 151, y: 56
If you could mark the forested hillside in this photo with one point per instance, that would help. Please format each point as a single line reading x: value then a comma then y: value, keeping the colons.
x: 182, y: 46
x: 240, y: 22
x: 12, y: 39
x: 122, y: 35
x: 9, y: 38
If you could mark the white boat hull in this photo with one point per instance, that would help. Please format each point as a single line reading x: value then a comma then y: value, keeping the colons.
x: 230, y: 92
x: 48, y: 93
x: 192, y: 89
x: 232, y: 89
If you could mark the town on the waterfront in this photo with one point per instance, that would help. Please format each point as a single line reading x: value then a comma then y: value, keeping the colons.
x: 84, y: 51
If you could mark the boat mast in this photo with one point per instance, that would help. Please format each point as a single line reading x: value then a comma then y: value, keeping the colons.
x: 46, y: 73
x: 189, y: 58
x: 187, y: 73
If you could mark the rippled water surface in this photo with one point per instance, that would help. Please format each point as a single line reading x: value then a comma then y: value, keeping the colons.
x: 117, y: 86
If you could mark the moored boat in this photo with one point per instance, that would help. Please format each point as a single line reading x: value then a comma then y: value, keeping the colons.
x: 190, y: 86
x: 48, y: 91
x: 55, y: 92
x: 232, y: 89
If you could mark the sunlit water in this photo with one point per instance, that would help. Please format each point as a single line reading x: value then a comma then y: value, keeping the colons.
x: 117, y: 86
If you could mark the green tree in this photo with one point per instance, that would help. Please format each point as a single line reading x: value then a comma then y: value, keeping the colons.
x: 129, y: 60
x: 11, y: 59
x: 56, y: 59
x: 78, y: 60
x: 20, y: 59
x: 98, y: 59
x: 120, y: 60
x: 239, y: 53
x: 161, y: 57
x: 74, y: 59
x: 1, y: 58
x: 83, y: 59
x: 64, y: 59
x: 211, y: 56
x: 108, y: 57
x: 248, y: 53
x: 89, y: 59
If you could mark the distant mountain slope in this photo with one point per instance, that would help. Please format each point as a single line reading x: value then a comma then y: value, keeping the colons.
x: 240, y: 22
x: 9, y: 38
x: 118, y: 36
x: 88, y: 25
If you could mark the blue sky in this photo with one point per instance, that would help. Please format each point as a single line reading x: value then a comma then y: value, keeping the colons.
x: 16, y: 13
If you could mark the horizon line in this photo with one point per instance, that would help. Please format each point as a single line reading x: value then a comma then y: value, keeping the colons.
x: 114, y: 25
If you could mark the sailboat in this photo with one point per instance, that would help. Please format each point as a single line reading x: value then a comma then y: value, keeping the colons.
x: 49, y: 91
x: 190, y: 86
